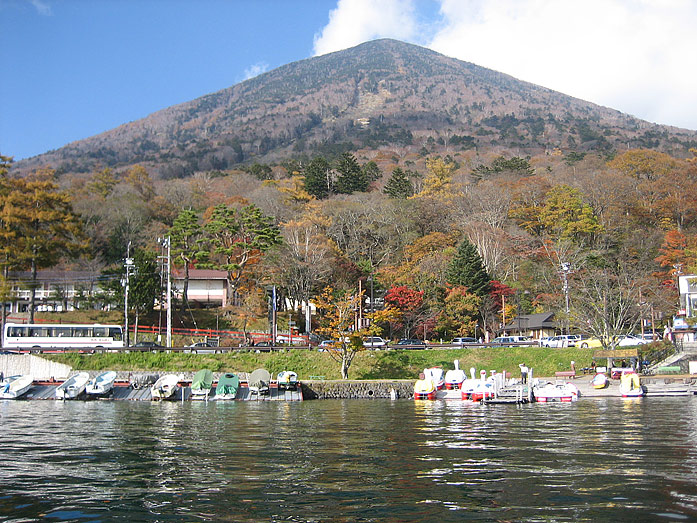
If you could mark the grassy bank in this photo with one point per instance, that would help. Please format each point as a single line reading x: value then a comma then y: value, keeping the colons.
x: 394, y: 364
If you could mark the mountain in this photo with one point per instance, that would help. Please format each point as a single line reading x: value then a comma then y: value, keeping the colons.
x: 380, y: 93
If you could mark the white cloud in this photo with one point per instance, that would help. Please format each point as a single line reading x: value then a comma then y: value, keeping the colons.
x: 255, y: 70
x: 42, y: 7
x: 637, y: 56
x: 357, y: 21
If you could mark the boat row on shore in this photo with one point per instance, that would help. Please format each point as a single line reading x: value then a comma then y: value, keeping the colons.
x: 80, y: 385
x: 434, y: 383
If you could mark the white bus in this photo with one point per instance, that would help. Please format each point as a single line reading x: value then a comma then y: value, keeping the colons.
x: 32, y: 336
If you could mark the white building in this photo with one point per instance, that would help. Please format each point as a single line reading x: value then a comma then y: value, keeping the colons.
x: 55, y: 290
x: 207, y: 288
x: 687, y: 286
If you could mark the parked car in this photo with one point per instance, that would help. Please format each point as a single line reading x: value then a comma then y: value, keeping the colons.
x: 325, y: 344
x: 630, y: 340
x: 149, y: 344
x: 202, y: 347
x: 463, y: 340
x: 563, y: 340
x: 374, y: 342
x: 511, y: 340
x: 410, y: 343
x: 624, y: 340
x: 263, y: 345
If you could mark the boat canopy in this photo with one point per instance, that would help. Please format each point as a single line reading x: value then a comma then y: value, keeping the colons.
x: 203, y: 379
x: 227, y: 384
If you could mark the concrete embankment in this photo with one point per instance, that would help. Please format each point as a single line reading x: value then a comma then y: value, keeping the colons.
x: 37, y: 367
x: 654, y: 385
x: 357, y: 389
x: 404, y: 389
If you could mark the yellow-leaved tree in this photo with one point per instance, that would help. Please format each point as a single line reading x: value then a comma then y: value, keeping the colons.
x: 439, y: 180
x: 338, y: 310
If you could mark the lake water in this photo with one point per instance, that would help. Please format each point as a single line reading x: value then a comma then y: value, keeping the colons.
x: 357, y: 460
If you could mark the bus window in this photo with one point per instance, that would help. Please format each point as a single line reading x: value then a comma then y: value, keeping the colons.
x: 115, y: 333
x: 19, y: 332
x: 99, y: 331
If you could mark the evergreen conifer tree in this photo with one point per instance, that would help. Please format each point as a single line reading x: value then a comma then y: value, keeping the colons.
x: 351, y: 177
x: 318, y: 178
x: 399, y: 186
x: 372, y: 171
x: 467, y: 269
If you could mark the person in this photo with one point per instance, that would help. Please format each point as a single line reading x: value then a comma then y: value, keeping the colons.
x: 523, y: 373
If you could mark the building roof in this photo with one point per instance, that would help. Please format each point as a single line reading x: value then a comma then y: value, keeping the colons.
x: 541, y: 320
x: 200, y: 274
x: 56, y: 276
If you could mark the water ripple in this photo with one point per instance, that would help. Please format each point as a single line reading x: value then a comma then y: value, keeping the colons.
x: 376, y: 460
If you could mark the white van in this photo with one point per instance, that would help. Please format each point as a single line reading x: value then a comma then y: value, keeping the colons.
x: 563, y: 340
x: 511, y: 340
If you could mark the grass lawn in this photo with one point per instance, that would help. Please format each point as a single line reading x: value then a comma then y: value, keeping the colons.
x: 392, y: 364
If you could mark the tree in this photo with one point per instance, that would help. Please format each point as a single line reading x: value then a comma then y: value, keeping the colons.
x: 45, y: 225
x: 103, y: 183
x: 7, y: 236
x: 144, y: 283
x: 643, y: 164
x: 185, y: 233
x: 371, y: 171
x: 460, y: 313
x: 492, y: 305
x: 319, y: 179
x: 399, y: 186
x: 674, y: 256
x: 409, y: 303
x: 563, y: 215
x: 607, y: 298
x: 438, y: 182
x: 260, y: 171
x: 338, y: 322
x: 237, y: 238
x: 139, y: 178
x: 351, y: 177
x: 304, y: 259
x: 566, y: 216
x: 467, y: 270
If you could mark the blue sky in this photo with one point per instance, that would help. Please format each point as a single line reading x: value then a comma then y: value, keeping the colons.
x: 75, y: 68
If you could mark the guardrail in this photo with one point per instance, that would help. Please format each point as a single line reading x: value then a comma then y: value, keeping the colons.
x: 244, y: 348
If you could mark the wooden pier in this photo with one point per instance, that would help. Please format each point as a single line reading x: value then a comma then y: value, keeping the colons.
x: 125, y: 392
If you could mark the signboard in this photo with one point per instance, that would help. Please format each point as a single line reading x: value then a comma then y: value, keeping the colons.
x: 617, y: 353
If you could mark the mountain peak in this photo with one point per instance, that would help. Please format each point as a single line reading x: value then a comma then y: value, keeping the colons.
x: 380, y: 93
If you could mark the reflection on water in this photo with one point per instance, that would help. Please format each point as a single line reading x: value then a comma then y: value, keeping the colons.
x: 604, y: 459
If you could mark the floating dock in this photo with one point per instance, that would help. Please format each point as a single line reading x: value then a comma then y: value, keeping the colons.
x: 125, y: 392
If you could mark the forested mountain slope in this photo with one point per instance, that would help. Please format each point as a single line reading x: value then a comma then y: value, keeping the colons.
x: 381, y: 93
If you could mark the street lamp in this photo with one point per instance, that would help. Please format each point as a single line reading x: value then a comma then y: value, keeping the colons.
x: 129, y: 265
x: 166, y: 243
x: 565, y: 270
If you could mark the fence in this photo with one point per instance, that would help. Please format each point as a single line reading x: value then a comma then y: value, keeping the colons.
x: 254, y: 337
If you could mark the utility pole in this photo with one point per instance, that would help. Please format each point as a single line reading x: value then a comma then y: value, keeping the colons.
x: 128, y: 265
x: 165, y: 242
x: 565, y: 269
x: 274, y: 317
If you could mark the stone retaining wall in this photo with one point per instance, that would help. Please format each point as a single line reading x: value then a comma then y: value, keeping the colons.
x: 37, y: 367
x: 348, y: 389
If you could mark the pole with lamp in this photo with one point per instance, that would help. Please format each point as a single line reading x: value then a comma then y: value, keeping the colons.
x: 129, y: 265
x: 166, y: 243
x: 565, y: 270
